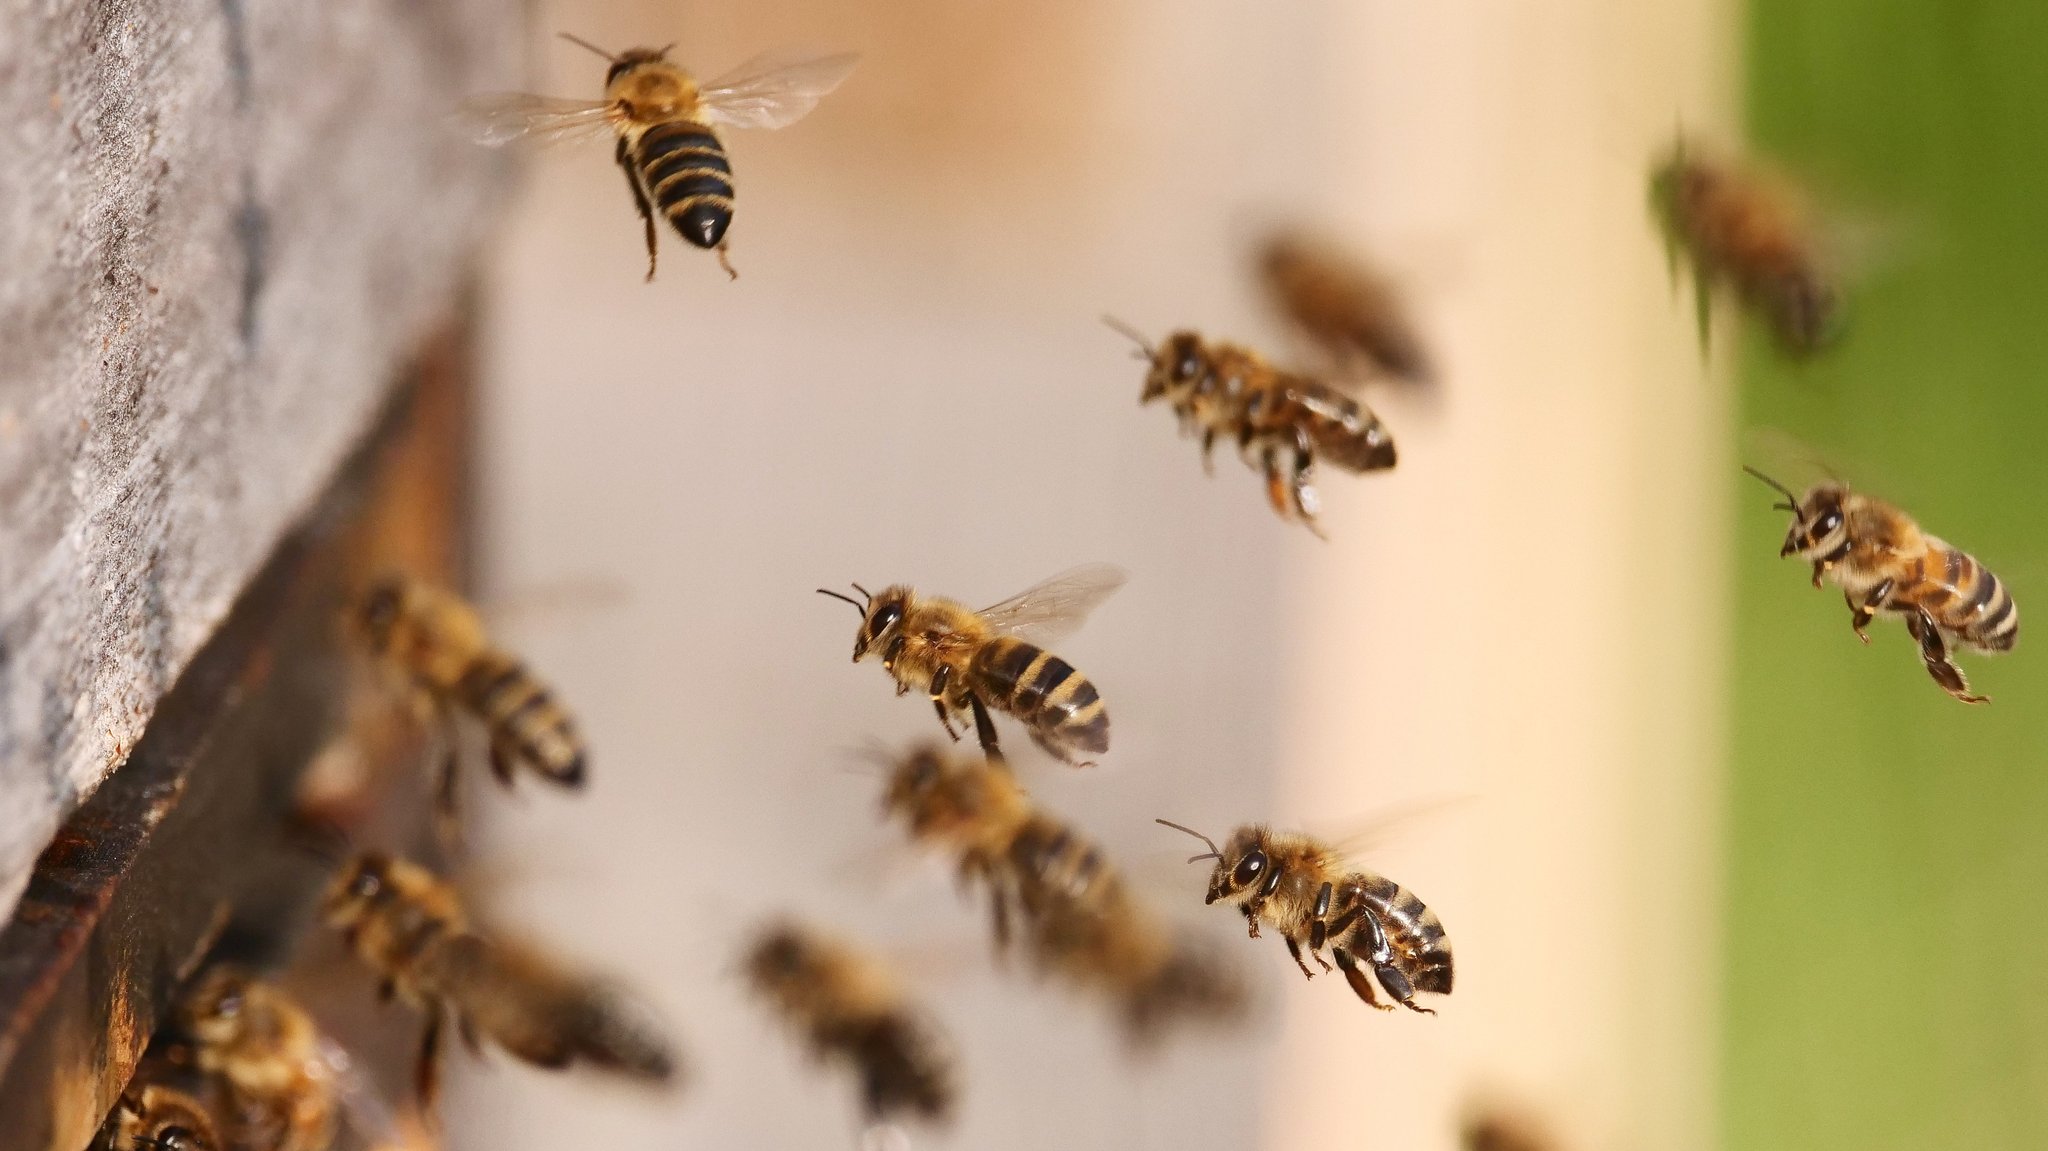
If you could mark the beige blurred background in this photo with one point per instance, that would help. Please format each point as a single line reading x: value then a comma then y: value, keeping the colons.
x: 909, y: 382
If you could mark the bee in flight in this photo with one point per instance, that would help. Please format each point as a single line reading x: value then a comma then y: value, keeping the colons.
x: 666, y: 123
x: 1883, y: 562
x: 408, y: 926
x: 1283, y: 423
x: 1307, y: 892
x: 969, y: 661
x: 1081, y: 924
x: 439, y: 644
x: 283, y: 1077
x: 849, y: 1009
x: 1350, y: 312
x: 1742, y: 229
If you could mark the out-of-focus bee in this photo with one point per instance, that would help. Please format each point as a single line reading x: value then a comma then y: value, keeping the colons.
x: 1493, y: 1130
x: 154, y: 1117
x: 969, y: 661
x: 849, y: 1009
x: 283, y: 1077
x: 439, y: 643
x: 1283, y: 423
x: 1081, y: 923
x: 666, y: 123
x: 409, y: 927
x: 1350, y: 312
x: 1745, y: 230
x: 1883, y: 562
x: 1307, y: 892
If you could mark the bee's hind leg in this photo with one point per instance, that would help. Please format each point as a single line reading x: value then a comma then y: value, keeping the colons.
x: 985, y: 731
x: 625, y: 162
x: 448, y: 781
x: 1294, y: 952
x: 730, y: 273
x: 1300, y: 482
x: 1860, y: 614
x: 945, y: 719
x: 1934, y: 653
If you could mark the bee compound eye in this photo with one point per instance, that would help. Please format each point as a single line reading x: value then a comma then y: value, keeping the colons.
x: 1249, y: 868
x: 365, y: 885
x: 885, y: 618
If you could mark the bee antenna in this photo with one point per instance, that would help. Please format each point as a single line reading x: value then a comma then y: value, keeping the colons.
x: 580, y: 42
x: 666, y: 48
x: 1792, y: 505
x: 863, y: 593
x: 857, y: 605
x: 1135, y: 335
x: 1212, y: 853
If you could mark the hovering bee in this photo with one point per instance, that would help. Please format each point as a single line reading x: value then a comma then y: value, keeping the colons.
x: 970, y: 661
x: 1741, y: 229
x: 281, y: 1074
x: 1351, y: 313
x: 850, y: 1010
x: 1304, y: 890
x: 1883, y: 562
x: 408, y: 926
x: 439, y: 644
x: 1288, y: 421
x: 667, y: 126
x: 1081, y: 923
x: 154, y: 1117
x: 1499, y: 1131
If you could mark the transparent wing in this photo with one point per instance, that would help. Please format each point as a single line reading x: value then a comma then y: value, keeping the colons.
x: 369, y: 1118
x: 503, y: 117
x: 773, y: 90
x: 1046, y: 611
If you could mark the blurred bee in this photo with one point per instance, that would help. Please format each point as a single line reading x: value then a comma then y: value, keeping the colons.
x: 1288, y: 421
x: 969, y: 661
x: 1351, y: 313
x: 281, y: 1074
x: 1306, y: 891
x: 1498, y: 1131
x: 850, y: 1010
x: 1883, y: 562
x: 666, y: 124
x: 1081, y: 923
x: 1741, y: 229
x: 154, y: 1117
x: 439, y: 644
x: 408, y: 926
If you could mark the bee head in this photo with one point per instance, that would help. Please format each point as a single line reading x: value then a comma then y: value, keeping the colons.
x: 1820, y: 519
x: 1240, y: 864
x: 380, y: 610
x: 781, y: 961
x: 358, y: 887
x: 633, y: 58
x: 881, y: 622
x: 1176, y: 368
x: 914, y: 783
x: 215, y: 1010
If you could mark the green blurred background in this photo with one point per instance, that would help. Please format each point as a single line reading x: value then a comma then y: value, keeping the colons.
x: 1886, y: 925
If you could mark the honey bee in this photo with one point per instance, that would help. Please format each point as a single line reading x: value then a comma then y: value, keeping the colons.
x: 1883, y: 562
x: 1081, y: 922
x: 849, y: 1009
x: 1305, y: 890
x: 439, y: 644
x: 666, y: 123
x: 1351, y: 313
x: 281, y: 1074
x: 409, y: 927
x: 1499, y: 1131
x: 969, y: 661
x: 1288, y: 421
x: 155, y: 1117
x: 1741, y: 229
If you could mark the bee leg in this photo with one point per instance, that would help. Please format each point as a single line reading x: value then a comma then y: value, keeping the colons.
x: 730, y: 274
x: 1386, y: 970
x: 1703, y: 304
x: 1934, y: 652
x: 470, y: 1039
x: 945, y: 719
x: 1860, y: 614
x: 1301, y: 482
x: 1820, y: 571
x: 1361, y: 986
x: 1276, y: 484
x: 1208, y: 451
x: 625, y: 162
x: 985, y: 731
x: 1294, y: 951
x: 448, y: 784
x: 502, y: 762
x: 426, y: 1076
x: 1251, y: 918
x: 999, y: 915
x: 940, y: 679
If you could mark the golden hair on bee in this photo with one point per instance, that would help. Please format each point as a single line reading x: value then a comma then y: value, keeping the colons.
x: 409, y: 928
x: 1307, y: 892
x: 1746, y: 230
x: 1282, y: 423
x: 968, y: 663
x: 851, y: 1010
x: 665, y: 123
x: 1349, y: 310
x: 269, y: 1054
x: 438, y: 645
x: 1886, y: 565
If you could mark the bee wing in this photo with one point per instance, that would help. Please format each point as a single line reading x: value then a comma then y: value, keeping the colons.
x: 1372, y: 832
x: 773, y: 91
x: 504, y: 117
x: 370, y: 1119
x: 1055, y: 607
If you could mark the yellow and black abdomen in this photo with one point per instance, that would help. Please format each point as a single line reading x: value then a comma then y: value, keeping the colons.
x: 1343, y: 432
x: 684, y: 169
x: 1968, y: 600
x: 525, y: 722
x: 1415, y: 932
x: 1041, y: 689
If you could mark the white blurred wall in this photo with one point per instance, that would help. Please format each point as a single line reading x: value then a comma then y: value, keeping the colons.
x: 909, y: 382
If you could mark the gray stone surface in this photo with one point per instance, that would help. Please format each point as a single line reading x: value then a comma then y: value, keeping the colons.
x: 223, y: 225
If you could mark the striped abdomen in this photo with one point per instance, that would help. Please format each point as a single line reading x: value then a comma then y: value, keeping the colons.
x: 1423, y: 950
x: 525, y: 723
x: 1041, y: 689
x: 1964, y: 598
x: 683, y: 167
x: 1342, y: 431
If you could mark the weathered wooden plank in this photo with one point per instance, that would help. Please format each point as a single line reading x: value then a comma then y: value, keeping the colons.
x: 223, y: 226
